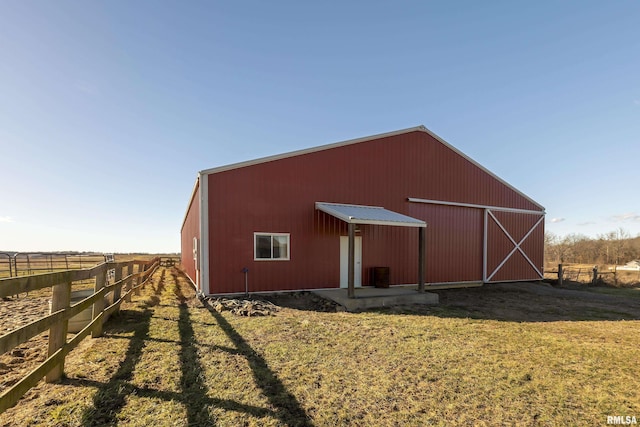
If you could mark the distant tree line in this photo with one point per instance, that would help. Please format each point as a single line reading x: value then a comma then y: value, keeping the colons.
x: 615, y: 247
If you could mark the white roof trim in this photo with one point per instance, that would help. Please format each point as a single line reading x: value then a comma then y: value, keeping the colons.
x: 310, y: 150
x: 376, y: 215
x: 451, y: 147
x: 472, y: 205
x: 193, y: 194
x: 420, y: 128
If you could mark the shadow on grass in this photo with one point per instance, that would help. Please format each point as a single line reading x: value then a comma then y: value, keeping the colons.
x: 194, y: 391
x: 111, y: 396
x: 158, y: 288
x: 288, y: 409
x: 525, y: 302
x: 508, y: 302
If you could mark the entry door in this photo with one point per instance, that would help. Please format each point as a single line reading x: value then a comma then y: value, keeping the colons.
x: 344, y: 261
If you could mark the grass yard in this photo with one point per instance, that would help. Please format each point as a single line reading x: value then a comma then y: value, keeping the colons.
x: 166, y: 360
x: 627, y: 292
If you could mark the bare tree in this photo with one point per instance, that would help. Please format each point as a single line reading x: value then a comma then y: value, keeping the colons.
x: 621, y: 244
x: 615, y: 247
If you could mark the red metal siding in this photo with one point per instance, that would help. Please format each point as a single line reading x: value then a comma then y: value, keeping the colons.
x: 190, y: 229
x: 499, y: 246
x: 393, y: 247
x: 279, y: 196
x: 454, y: 242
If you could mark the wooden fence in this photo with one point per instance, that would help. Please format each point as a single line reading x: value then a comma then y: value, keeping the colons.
x: 28, y: 263
x: 61, y: 311
x: 585, y: 274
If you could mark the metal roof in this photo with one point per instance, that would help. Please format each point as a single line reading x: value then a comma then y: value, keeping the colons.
x: 420, y: 128
x: 310, y: 150
x: 358, y: 214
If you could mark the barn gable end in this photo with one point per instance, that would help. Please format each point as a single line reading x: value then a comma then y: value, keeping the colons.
x: 412, y: 172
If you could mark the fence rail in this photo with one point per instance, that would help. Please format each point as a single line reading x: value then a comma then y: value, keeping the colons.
x: 593, y: 274
x: 27, y: 263
x: 61, y: 311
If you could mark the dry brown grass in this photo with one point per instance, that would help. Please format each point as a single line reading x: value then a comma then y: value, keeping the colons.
x: 168, y: 361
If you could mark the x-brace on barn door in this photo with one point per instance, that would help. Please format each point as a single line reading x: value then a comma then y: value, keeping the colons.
x: 509, y: 249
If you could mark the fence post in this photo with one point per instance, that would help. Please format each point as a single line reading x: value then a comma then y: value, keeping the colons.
x: 595, y: 275
x: 60, y: 298
x: 98, y: 306
x: 560, y: 275
x: 138, y: 281
x: 130, y: 281
x: 142, y: 269
x: 117, y: 290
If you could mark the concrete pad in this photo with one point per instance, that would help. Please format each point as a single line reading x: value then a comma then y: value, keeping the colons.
x: 452, y: 286
x: 377, y: 297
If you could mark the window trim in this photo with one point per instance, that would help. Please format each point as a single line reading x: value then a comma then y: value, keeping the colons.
x: 272, y: 235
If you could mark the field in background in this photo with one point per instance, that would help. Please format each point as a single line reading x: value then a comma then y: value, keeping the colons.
x: 519, y: 354
x: 26, y: 263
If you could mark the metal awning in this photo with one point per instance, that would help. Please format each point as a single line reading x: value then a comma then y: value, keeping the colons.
x: 376, y: 215
x: 359, y: 214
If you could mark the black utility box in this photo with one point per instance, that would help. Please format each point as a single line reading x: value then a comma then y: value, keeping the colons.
x: 380, y: 277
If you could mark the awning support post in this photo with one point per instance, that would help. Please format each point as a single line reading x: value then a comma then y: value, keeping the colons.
x: 351, y: 293
x: 421, y: 257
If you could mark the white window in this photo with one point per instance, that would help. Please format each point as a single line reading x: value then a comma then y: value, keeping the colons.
x: 271, y: 246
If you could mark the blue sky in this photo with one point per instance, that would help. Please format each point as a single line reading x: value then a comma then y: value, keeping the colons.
x: 109, y: 108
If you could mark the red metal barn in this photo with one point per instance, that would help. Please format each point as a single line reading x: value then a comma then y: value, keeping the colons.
x: 285, y: 218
